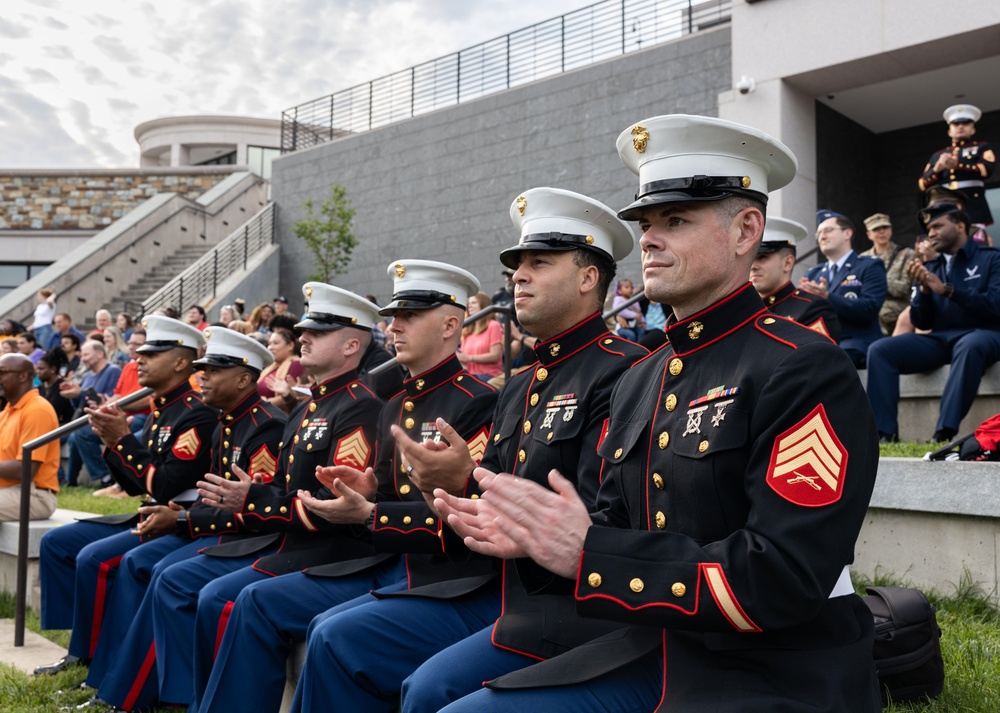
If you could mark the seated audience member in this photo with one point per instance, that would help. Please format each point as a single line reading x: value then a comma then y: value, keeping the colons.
x: 272, y: 385
x: 63, y: 324
x: 854, y: 285
x: 482, y: 343
x: 261, y: 317
x: 10, y: 328
x: 958, y: 300
x: 227, y: 314
x: 116, y: 346
x: 26, y: 417
x: 103, y: 320
x: 196, y: 317
x: 9, y: 346
x: 630, y: 321
x: 85, y: 445
x: 72, y: 370
x: 27, y: 345
x: 47, y: 372
x: 896, y: 258
x: 123, y: 320
x: 656, y: 320
x: 924, y: 249
x: 771, y: 275
x: 281, y: 307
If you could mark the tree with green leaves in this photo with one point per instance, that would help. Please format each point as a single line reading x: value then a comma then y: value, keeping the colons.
x: 327, y: 233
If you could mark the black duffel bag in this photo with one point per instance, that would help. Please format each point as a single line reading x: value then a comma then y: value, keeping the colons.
x: 907, y: 644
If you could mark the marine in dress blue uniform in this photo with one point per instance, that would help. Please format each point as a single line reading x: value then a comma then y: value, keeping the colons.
x: 855, y: 286
x: 247, y: 435
x: 78, y: 561
x: 428, y: 308
x: 965, y: 165
x: 771, y: 276
x: 734, y: 488
x: 957, y: 297
x: 550, y: 416
x: 192, y: 599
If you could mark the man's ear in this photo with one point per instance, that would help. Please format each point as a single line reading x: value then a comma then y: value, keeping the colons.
x: 750, y: 223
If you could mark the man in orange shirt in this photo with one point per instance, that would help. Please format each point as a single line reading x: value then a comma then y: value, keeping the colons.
x: 27, y: 416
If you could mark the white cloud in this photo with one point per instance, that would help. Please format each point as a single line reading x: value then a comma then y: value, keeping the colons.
x: 89, y: 71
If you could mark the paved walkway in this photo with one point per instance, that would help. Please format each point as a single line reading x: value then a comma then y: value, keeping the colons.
x: 37, y: 650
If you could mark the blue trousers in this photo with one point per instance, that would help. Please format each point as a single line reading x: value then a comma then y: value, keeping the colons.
x: 968, y: 351
x: 124, y: 665
x: 85, y: 449
x: 77, y: 566
x: 452, y: 682
x: 178, y: 619
x: 344, y: 666
x: 260, y: 636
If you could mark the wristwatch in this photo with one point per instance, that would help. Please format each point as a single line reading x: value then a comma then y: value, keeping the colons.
x: 182, y: 523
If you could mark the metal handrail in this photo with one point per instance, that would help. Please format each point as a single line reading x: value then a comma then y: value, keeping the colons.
x: 577, y: 39
x: 27, y: 449
x: 202, y: 278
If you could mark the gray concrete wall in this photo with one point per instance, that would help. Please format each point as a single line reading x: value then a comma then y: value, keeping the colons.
x: 258, y: 283
x: 439, y: 186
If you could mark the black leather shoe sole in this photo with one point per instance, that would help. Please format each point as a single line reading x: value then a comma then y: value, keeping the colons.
x: 57, y: 666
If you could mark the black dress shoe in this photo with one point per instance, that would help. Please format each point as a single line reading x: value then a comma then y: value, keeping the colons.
x: 888, y: 437
x: 942, y: 435
x: 57, y: 666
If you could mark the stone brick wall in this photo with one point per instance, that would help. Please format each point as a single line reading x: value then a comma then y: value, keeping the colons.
x: 439, y: 186
x: 90, y: 200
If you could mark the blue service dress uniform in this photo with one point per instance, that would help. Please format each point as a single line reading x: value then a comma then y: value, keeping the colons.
x: 78, y: 562
x: 976, y: 161
x: 550, y: 416
x: 192, y: 599
x: 737, y: 477
x: 260, y: 636
x: 805, y: 308
x: 124, y: 665
x: 965, y: 332
x: 857, y: 292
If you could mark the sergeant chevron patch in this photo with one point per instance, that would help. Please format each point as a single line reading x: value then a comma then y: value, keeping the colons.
x: 819, y: 326
x: 477, y: 445
x: 808, y: 462
x: 263, y: 463
x: 352, y: 450
x: 187, y: 445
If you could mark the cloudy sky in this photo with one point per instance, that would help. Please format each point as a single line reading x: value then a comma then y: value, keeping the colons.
x: 77, y: 76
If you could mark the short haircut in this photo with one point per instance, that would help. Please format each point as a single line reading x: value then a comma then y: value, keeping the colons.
x: 28, y: 337
x: 55, y: 358
x: 201, y: 310
x: 65, y: 316
x: 606, y: 269
x: 960, y: 216
x: 73, y: 338
x: 98, y: 346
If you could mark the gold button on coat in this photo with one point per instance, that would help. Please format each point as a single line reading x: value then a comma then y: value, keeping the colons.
x: 407, y: 520
x: 703, y: 446
x: 527, y: 427
x: 542, y: 374
x: 384, y: 519
x: 658, y: 481
x: 676, y: 366
x: 312, y: 407
x: 594, y: 579
x: 663, y: 440
x: 671, y: 402
x: 534, y: 399
x: 251, y: 507
x: 408, y: 405
x: 678, y: 589
x: 618, y: 453
x: 404, y: 489
x: 522, y: 456
x: 408, y: 423
x: 636, y: 585
x: 429, y: 521
x: 661, y: 520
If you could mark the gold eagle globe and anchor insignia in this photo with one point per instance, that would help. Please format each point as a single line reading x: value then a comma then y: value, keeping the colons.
x: 695, y: 329
x: 400, y: 270
x: 522, y: 204
x: 641, y: 138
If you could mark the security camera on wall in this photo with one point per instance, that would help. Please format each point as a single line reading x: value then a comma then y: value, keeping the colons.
x: 745, y: 84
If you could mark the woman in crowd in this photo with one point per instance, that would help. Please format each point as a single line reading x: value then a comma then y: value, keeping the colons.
x: 227, y: 314
x: 116, y: 346
x: 8, y: 346
x: 261, y: 316
x: 45, y: 310
x: 272, y: 384
x: 123, y: 320
x: 47, y: 371
x: 482, y: 343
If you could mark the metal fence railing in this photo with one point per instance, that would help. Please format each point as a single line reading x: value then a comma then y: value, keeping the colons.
x: 577, y: 39
x: 21, y: 596
x: 202, y: 279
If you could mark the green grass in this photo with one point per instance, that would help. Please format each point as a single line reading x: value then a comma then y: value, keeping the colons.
x: 909, y: 449
x: 82, y: 498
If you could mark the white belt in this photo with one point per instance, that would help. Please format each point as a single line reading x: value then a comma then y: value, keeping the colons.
x: 955, y: 185
x: 843, y: 585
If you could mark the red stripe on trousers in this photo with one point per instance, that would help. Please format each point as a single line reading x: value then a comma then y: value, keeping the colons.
x: 140, y: 679
x: 223, y: 620
x: 102, y: 593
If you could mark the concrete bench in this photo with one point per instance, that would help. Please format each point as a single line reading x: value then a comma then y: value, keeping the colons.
x: 8, y: 550
x: 920, y: 401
